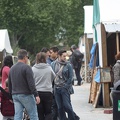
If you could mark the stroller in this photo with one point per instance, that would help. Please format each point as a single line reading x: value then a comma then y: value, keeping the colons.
x: 7, y: 107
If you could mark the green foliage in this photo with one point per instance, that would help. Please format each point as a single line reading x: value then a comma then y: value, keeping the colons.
x: 33, y: 24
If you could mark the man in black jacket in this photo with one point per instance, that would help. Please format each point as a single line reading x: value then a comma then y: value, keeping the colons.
x: 76, y: 61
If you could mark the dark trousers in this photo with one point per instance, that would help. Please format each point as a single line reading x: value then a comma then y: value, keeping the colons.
x: 63, y: 101
x: 44, y: 108
x: 77, y: 72
x: 54, y: 110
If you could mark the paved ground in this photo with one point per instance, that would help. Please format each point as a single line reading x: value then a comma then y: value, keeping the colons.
x: 84, y: 109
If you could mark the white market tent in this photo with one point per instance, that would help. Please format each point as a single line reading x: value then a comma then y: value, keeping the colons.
x: 86, y: 40
x: 5, y: 42
x: 109, y: 10
x: 88, y: 19
x: 88, y: 15
x: 106, y: 20
x: 110, y: 18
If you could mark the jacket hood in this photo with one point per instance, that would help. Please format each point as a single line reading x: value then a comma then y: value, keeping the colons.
x: 41, y: 65
x: 118, y: 61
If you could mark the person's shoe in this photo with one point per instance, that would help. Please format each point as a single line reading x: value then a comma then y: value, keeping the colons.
x: 72, y: 82
x: 77, y: 118
x: 78, y: 85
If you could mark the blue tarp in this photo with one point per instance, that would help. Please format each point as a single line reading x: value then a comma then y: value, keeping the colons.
x: 97, y: 76
x: 92, y: 52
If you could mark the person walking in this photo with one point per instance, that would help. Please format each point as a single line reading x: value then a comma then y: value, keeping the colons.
x: 76, y: 61
x: 63, y: 86
x: 43, y: 75
x: 22, y: 87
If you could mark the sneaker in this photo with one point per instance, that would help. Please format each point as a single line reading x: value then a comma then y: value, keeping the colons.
x: 77, y: 118
x: 78, y: 84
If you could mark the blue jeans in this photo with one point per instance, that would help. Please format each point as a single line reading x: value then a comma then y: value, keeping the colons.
x: 54, y: 109
x: 21, y: 102
x: 63, y: 101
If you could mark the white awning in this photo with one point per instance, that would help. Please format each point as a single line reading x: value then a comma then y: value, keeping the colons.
x: 5, y: 42
x: 109, y: 10
x: 88, y: 19
x: 112, y: 28
x: 90, y: 35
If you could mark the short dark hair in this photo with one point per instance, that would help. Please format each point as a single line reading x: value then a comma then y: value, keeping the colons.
x: 44, y: 49
x: 60, y: 52
x: 21, y: 54
x: 73, y: 47
x: 55, y: 49
x: 41, y: 57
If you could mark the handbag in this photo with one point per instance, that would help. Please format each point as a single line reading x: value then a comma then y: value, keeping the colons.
x: 7, y: 107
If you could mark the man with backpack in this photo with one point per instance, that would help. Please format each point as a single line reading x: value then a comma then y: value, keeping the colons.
x: 76, y: 61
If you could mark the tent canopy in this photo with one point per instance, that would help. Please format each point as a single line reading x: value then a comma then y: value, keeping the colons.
x: 88, y: 17
x: 109, y: 10
x: 112, y: 28
x: 5, y: 42
x: 106, y: 11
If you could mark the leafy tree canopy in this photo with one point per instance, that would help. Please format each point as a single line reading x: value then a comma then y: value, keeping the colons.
x: 33, y: 24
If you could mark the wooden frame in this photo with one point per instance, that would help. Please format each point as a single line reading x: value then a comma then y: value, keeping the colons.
x: 105, y: 76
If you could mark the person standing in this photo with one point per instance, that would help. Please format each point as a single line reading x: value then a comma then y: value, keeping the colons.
x: 47, y: 51
x: 116, y: 68
x: 116, y: 74
x: 7, y: 64
x: 63, y: 85
x: 44, y: 75
x: 76, y: 61
x: 22, y: 87
x: 53, y: 55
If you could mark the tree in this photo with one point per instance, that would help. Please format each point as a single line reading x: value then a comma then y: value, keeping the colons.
x: 38, y: 23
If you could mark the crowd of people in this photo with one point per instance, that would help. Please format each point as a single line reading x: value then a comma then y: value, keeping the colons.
x: 42, y: 90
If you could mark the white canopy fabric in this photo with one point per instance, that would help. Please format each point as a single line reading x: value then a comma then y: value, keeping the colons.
x: 88, y: 19
x: 109, y: 10
x: 5, y: 42
x: 112, y: 28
